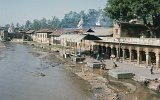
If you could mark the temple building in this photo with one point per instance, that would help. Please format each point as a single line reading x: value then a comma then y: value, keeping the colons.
x: 127, y: 45
x: 11, y: 29
x: 80, y: 24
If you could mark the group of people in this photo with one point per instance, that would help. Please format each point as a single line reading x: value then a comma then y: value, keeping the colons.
x: 103, y: 67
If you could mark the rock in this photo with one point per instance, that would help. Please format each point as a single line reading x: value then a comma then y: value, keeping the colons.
x: 41, y: 74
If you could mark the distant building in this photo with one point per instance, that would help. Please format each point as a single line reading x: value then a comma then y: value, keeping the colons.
x: 3, y: 34
x: 124, y: 29
x: 43, y: 36
x: 30, y: 35
x: 11, y: 29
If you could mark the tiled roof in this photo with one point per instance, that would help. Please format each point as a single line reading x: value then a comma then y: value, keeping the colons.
x: 30, y: 31
x: 45, y: 31
x: 58, y: 32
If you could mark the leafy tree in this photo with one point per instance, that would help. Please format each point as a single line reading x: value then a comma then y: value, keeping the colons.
x: 36, y: 24
x: 17, y: 25
x: 71, y: 20
x: 92, y: 17
x: 54, y: 23
x: 28, y: 24
x: 125, y: 10
x: 43, y: 23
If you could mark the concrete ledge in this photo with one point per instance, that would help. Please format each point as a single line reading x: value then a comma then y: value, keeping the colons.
x: 95, y: 64
x: 121, y: 75
x: 78, y: 59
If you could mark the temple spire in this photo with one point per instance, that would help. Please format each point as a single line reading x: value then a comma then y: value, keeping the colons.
x: 99, y: 21
x: 80, y: 24
x: 11, y: 28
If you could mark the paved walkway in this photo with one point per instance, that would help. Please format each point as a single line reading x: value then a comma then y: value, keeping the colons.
x: 141, y: 73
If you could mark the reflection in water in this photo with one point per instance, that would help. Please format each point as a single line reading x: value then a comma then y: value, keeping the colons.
x: 24, y: 76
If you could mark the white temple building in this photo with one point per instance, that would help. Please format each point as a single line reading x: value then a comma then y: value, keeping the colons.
x: 80, y: 24
x: 11, y: 29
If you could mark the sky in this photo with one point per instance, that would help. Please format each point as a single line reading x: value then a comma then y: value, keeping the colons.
x: 13, y: 11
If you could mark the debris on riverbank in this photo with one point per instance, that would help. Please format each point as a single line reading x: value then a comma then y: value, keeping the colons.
x: 102, y: 88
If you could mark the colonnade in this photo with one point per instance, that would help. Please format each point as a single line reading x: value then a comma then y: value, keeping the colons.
x: 132, y: 53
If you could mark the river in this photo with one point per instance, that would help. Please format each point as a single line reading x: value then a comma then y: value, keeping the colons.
x: 25, y: 76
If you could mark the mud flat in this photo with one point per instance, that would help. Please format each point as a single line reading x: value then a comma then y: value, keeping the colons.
x: 98, y: 84
x: 103, y: 88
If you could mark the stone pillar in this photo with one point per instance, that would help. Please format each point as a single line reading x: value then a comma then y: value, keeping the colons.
x: 112, y: 52
x: 130, y: 55
x: 138, y: 57
x: 157, y: 60
x: 147, y: 58
x: 124, y: 54
x: 117, y: 52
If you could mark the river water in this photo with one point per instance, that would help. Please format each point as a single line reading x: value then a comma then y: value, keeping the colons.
x: 24, y: 76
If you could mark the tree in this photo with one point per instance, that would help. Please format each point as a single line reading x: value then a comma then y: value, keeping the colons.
x: 71, y: 20
x: 36, y: 24
x: 43, y: 23
x: 54, y: 23
x: 28, y: 24
x: 125, y: 10
x: 92, y: 17
x: 119, y: 10
x: 17, y: 25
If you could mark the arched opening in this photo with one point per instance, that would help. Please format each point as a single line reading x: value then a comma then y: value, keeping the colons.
x: 121, y: 52
x: 108, y: 53
x: 134, y: 55
x: 152, y: 58
x: 113, y: 52
x: 103, y: 49
x: 142, y: 57
x: 126, y: 56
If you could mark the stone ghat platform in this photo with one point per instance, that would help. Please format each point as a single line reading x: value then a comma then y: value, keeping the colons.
x: 121, y: 75
x: 95, y: 64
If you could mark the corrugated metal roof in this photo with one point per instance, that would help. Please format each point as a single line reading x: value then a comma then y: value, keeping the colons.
x: 77, y: 37
x: 71, y: 37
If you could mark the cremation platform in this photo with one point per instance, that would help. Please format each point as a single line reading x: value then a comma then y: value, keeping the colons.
x: 121, y: 75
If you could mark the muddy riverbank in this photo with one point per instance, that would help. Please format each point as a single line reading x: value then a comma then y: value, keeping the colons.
x: 107, y: 88
x: 30, y: 72
x: 98, y: 83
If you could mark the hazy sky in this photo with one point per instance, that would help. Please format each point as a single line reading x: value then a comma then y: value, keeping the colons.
x: 12, y: 11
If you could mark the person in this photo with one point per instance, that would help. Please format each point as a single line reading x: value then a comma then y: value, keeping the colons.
x: 103, y: 67
x: 146, y: 82
x: 151, y: 70
x: 114, y: 65
x: 102, y: 60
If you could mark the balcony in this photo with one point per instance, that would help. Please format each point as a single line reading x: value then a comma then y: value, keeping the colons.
x: 138, y: 41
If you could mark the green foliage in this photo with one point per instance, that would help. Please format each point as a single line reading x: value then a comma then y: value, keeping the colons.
x: 54, y: 23
x: 125, y: 10
x: 70, y: 20
x: 119, y: 10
